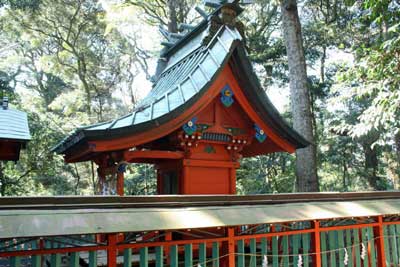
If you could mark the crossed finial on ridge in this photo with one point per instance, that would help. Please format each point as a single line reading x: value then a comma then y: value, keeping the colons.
x: 229, y: 10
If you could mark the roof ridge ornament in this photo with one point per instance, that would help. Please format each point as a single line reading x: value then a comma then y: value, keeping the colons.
x: 227, y: 16
x: 170, y: 36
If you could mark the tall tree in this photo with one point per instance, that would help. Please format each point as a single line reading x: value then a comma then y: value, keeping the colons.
x: 168, y: 13
x: 306, y: 166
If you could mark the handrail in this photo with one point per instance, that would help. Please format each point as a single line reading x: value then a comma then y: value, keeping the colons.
x: 166, y: 201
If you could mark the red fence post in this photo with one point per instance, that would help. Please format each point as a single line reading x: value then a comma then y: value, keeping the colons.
x: 317, y: 244
x: 112, y: 250
x: 380, y: 243
x: 168, y: 237
x: 231, y: 247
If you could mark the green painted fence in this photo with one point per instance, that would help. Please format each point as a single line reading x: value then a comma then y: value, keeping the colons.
x: 349, y: 247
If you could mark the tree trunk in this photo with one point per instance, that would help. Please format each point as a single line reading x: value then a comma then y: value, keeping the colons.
x: 371, y: 167
x: 322, y: 68
x: 306, y: 169
x: 172, y: 16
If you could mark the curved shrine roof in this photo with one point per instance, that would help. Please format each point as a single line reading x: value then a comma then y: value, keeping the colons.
x: 190, y: 69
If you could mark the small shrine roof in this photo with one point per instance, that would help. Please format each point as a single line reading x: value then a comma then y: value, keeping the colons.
x: 14, y: 125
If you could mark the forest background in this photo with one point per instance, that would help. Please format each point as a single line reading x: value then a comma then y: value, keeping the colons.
x: 69, y: 63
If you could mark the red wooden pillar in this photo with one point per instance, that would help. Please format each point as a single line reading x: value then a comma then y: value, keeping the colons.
x: 159, y: 182
x: 380, y: 243
x: 120, y: 183
x: 112, y: 250
x: 317, y: 244
x: 232, y: 182
x: 121, y: 168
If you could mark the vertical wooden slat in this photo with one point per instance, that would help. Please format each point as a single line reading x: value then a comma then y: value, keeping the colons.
x: 264, y: 247
x: 55, y: 259
x: 364, y: 240
x: 188, y: 255
x: 285, y: 247
x: 341, y: 246
x: 306, y: 247
x: 324, y: 255
x: 240, y: 256
x: 393, y: 244
x: 36, y: 261
x: 386, y: 244
x: 127, y: 257
x: 202, y: 254
x: 398, y: 240
x: 332, y: 247
x: 74, y: 259
x: 253, y: 252
x: 15, y: 262
x: 92, y: 254
x: 215, y: 254
x: 349, y: 246
x: 357, y: 248
x: 159, y: 256
x: 93, y: 259
x: 173, y: 254
x: 295, y: 249
x: 144, y: 257
x: 275, y: 251
x: 371, y: 242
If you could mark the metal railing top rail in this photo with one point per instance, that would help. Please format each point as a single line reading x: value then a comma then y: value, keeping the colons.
x: 165, y: 201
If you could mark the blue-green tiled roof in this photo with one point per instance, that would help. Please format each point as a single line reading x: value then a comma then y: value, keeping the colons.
x: 185, y: 75
x: 14, y: 125
x: 186, y: 72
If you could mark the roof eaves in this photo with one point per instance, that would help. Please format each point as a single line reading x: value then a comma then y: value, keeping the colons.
x: 265, y: 104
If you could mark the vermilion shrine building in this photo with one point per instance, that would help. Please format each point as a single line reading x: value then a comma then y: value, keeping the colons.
x: 205, y: 112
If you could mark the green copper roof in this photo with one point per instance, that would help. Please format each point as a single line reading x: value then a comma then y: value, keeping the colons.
x: 186, y: 74
x: 186, y: 71
x: 14, y: 125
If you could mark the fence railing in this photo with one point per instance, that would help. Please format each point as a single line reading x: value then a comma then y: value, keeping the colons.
x: 360, y: 242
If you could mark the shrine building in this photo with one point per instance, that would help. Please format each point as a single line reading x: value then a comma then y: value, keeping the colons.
x: 14, y: 131
x: 206, y: 111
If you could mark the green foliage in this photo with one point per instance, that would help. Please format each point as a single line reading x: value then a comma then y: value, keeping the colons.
x: 21, y: 4
x: 140, y: 179
x: 266, y: 174
x: 68, y: 63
